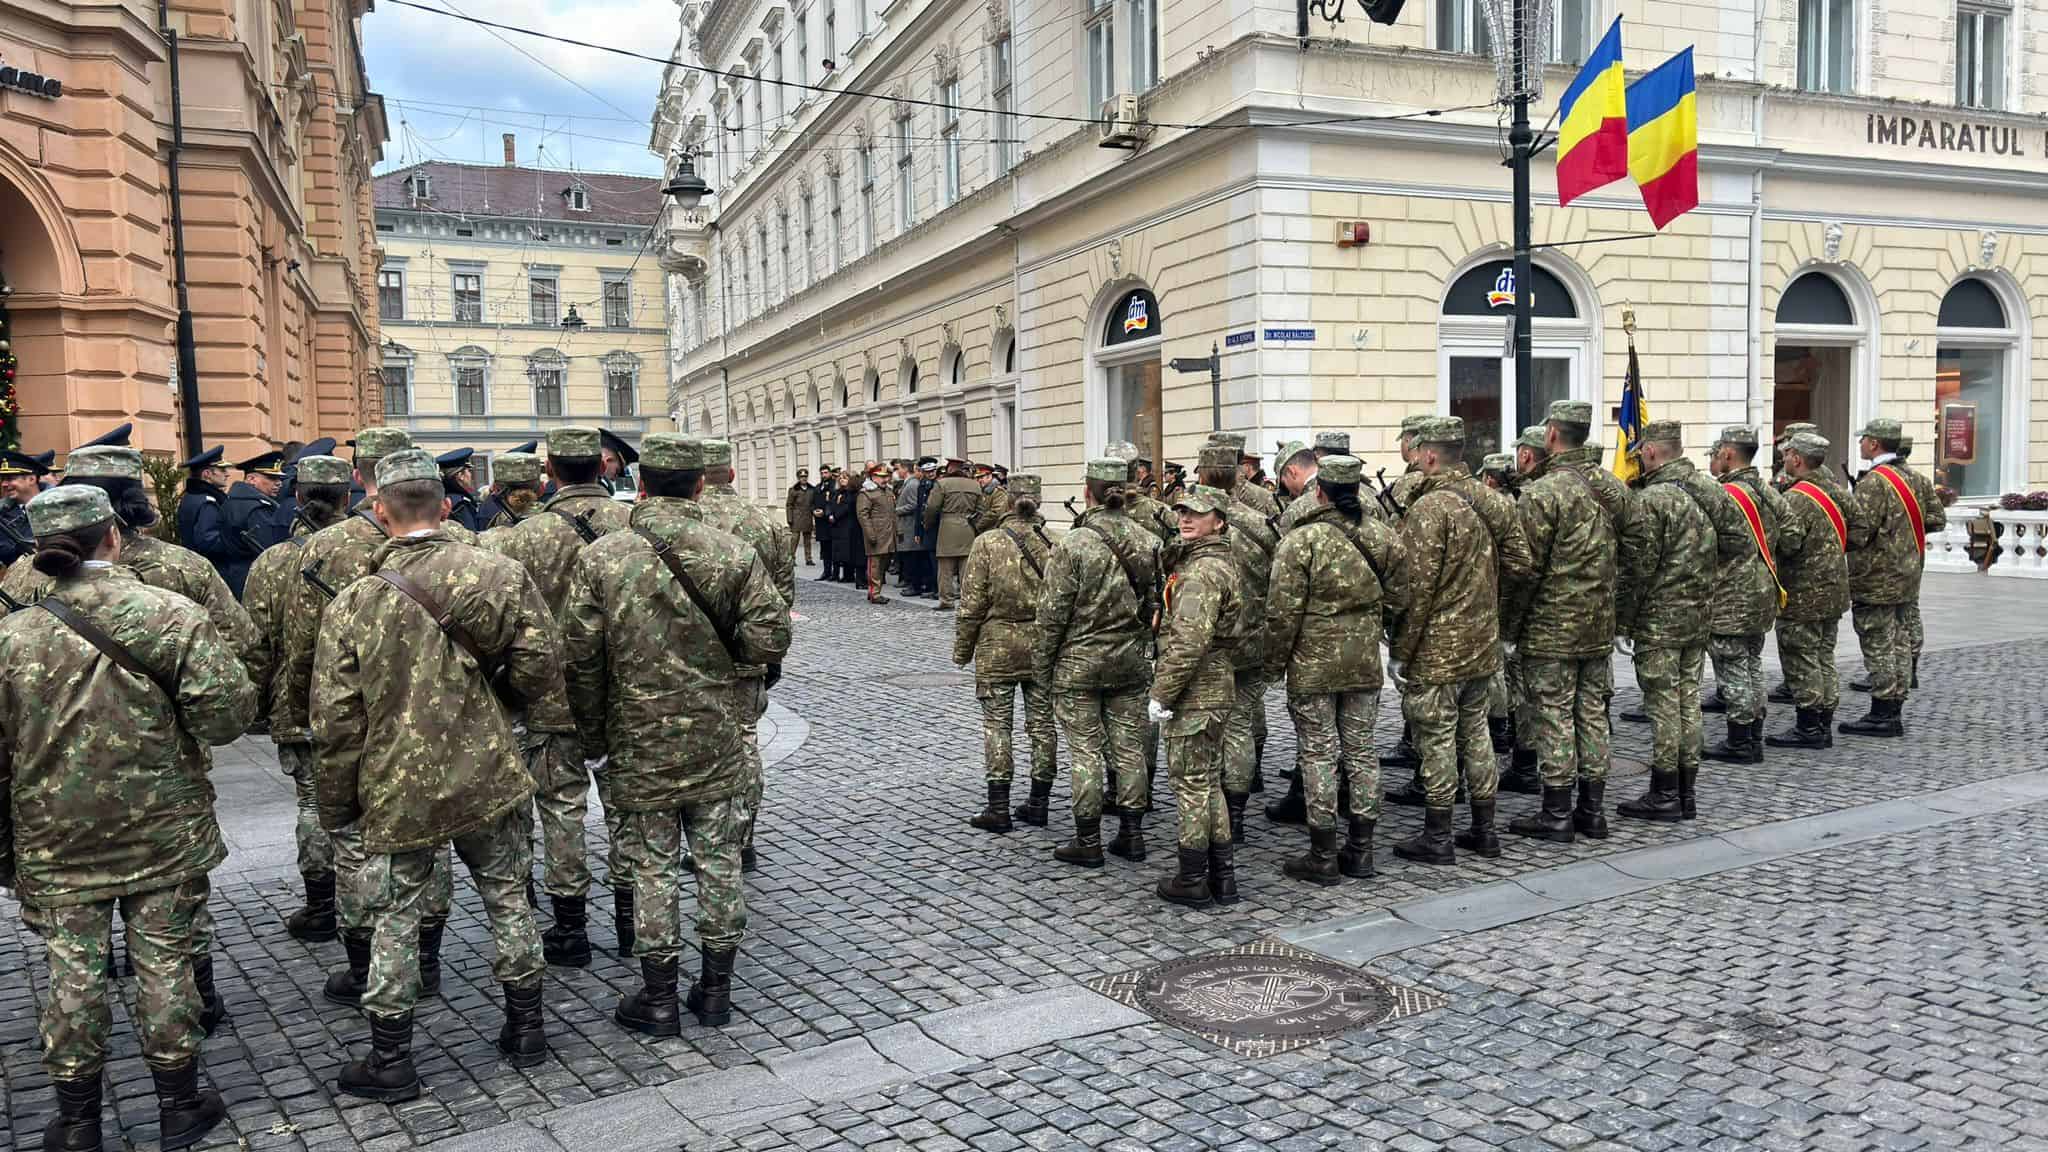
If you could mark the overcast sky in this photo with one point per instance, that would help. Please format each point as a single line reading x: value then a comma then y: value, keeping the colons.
x: 422, y: 63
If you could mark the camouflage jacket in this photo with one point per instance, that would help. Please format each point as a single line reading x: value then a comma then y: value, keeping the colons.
x: 1254, y: 497
x: 1151, y: 515
x: 1885, y: 555
x: 265, y: 593
x: 1252, y: 541
x: 411, y: 740
x: 649, y: 679
x: 995, y: 506
x: 1613, y: 495
x: 1093, y: 625
x: 1328, y: 607
x: 1569, y: 605
x: 1745, y: 591
x: 103, y: 780
x: 1464, y: 546
x: 997, y: 626
x: 1811, y: 560
x: 725, y: 509
x: 547, y: 542
x: 1667, y: 562
x: 1403, y: 489
x: 1201, y: 613
x: 172, y: 568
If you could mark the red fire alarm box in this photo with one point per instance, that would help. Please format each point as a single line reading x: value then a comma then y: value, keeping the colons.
x: 1353, y: 233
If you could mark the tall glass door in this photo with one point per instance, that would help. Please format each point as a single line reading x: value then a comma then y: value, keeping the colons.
x: 1494, y: 415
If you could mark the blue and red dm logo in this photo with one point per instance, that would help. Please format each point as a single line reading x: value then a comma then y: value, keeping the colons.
x: 1503, y: 289
x: 1136, y: 318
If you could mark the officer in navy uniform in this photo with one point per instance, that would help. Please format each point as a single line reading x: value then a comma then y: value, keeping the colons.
x: 288, y: 496
x: 618, y: 456
x: 202, y: 514
x: 251, y: 512
x: 456, y: 480
x: 20, y: 479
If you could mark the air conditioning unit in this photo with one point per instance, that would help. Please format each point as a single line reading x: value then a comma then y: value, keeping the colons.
x: 1120, y: 125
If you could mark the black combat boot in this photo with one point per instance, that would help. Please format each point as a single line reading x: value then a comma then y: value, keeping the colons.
x: 1862, y: 685
x: 1913, y: 680
x: 1809, y: 730
x: 1085, y: 849
x: 1502, y: 736
x: 1259, y: 756
x: 1481, y: 837
x: 1882, y: 720
x: 345, y: 985
x: 76, y: 1126
x: 1827, y: 725
x: 1234, y: 805
x: 711, y: 993
x: 1318, y: 865
x: 1688, y: 775
x: 1714, y: 701
x: 1523, y: 777
x: 315, y: 922
x: 1404, y: 754
x: 1355, y: 858
x: 996, y: 816
x: 213, y: 1011
x: 1032, y: 811
x: 622, y: 920
x: 1411, y: 794
x: 748, y: 860
x: 430, y: 957
x: 1741, y: 746
x: 523, y: 1040
x: 652, y: 1010
x: 567, y: 940
x: 1130, y: 837
x: 1223, y: 873
x: 387, y: 1072
x: 1553, y: 822
x: 1635, y: 715
x: 1190, y: 885
x: 1659, y: 804
x: 1780, y: 693
x: 1291, y: 808
x: 184, y: 1114
x: 1589, y: 819
x: 1112, y: 793
x: 1432, y: 845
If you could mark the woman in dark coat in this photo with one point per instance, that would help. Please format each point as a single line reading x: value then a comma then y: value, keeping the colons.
x: 849, y: 548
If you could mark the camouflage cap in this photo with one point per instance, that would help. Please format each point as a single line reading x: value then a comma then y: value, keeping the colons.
x: 1532, y: 437
x: 374, y: 444
x: 1289, y: 447
x: 719, y: 452
x: 104, y: 464
x: 1025, y: 485
x: 1108, y: 468
x: 1410, y: 425
x: 1123, y: 450
x: 1335, y: 443
x: 1792, y: 430
x: 1881, y: 428
x: 1340, y: 469
x: 670, y: 452
x: 1217, y: 456
x: 67, y: 508
x: 1233, y: 439
x: 574, y: 442
x: 1811, y: 445
x: 1441, y: 430
x: 1569, y: 412
x: 516, y: 468
x: 1201, y: 498
x: 1664, y: 432
x: 1736, y: 434
x: 323, y: 470
x: 1497, y: 462
x: 407, y: 464
x: 1905, y: 444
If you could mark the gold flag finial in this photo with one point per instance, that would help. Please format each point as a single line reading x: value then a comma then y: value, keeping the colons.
x: 1628, y: 321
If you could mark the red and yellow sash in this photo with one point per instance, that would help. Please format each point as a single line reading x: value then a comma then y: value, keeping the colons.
x: 1819, y: 496
x: 1754, y: 516
x: 1905, y: 492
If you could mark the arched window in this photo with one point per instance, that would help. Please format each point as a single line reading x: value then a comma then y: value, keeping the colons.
x: 811, y: 395
x: 845, y: 395
x: 1126, y: 370
x: 1815, y: 298
x: 1477, y: 379
x: 548, y: 370
x: 907, y: 378
x: 470, y: 367
x: 1134, y: 317
x: 1980, y: 392
x: 1819, y: 370
x: 871, y: 385
x: 1002, y: 353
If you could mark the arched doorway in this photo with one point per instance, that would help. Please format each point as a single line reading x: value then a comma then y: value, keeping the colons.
x: 1817, y: 372
x: 33, y: 351
x: 1124, y: 402
x: 1476, y: 378
x: 1980, y: 389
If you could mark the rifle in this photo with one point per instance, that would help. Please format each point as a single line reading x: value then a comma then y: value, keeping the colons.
x: 1385, y: 495
x: 1848, y: 475
x: 13, y: 605
x: 312, y: 576
x: 1073, y: 513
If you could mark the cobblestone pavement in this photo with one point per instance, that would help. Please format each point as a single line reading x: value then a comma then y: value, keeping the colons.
x: 1884, y: 982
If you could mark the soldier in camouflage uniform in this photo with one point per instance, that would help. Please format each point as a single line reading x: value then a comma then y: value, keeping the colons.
x: 1402, y: 492
x: 997, y: 629
x: 1887, y: 550
x: 1782, y: 480
x: 1507, y: 716
x: 1930, y: 497
x: 1565, y: 643
x: 1245, y: 491
x: 1202, y: 612
x: 547, y: 543
x: 1681, y: 527
x: 1300, y: 503
x: 1139, y: 505
x: 1339, y: 582
x: 661, y: 622
x: 322, y: 498
x: 1812, y: 541
x: 1094, y: 619
x: 517, y: 483
x: 148, y: 843
x: 1745, y: 601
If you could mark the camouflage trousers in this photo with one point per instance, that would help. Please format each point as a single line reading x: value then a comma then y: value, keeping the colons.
x: 1241, y: 731
x: 1887, y: 648
x: 1807, y: 650
x: 1564, y: 719
x: 653, y: 853
x: 1448, y: 722
x: 1670, y: 680
x: 499, y: 856
x: 1739, y: 672
x: 561, y: 801
x: 1909, y: 615
x: 999, y: 722
x: 1334, y: 732
x: 750, y: 703
x: 1194, y: 769
x: 316, y: 847
x: 355, y: 890
x: 1104, y: 734
x: 76, y: 1019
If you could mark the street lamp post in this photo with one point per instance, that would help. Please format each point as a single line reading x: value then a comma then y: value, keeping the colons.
x: 1213, y: 365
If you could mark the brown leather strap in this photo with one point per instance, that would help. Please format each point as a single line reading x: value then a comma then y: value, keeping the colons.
x: 1017, y: 538
x: 113, y: 649
x: 443, y: 618
x: 674, y: 564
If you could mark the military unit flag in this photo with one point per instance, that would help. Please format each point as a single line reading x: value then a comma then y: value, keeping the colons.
x: 1664, y: 139
x: 1592, y: 134
x: 1630, y: 419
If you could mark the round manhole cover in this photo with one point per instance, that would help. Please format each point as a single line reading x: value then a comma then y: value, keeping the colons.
x: 1264, y: 997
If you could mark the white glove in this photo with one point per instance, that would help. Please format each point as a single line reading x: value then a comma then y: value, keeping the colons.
x: 1156, y: 712
x: 1397, y: 672
x: 1627, y: 646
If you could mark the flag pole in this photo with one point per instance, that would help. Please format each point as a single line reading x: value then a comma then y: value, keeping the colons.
x: 1519, y: 139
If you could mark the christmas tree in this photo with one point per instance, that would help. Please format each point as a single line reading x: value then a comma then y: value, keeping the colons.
x: 10, y: 410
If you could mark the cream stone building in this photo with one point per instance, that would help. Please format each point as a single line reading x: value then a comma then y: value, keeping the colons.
x: 920, y: 242
x: 516, y: 298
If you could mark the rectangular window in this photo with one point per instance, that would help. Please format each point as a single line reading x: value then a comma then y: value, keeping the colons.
x: 1571, y: 37
x: 831, y: 32
x: 579, y: 201
x: 763, y: 248
x: 619, y: 391
x: 1141, y: 19
x: 781, y: 105
x: 469, y: 298
x: 760, y: 120
x: 860, y: 18
x: 788, y: 278
x: 803, y: 51
x: 391, y: 293
x: 949, y: 140
x: 999, y: 92
x: 397, y: 390
x: 469, y: 389
x: 1461, y: 27
x: 618, y: 304
x: 739, y: 133
x: 838, y: 232
x: 745, y: 305
x: 547, y: 389
x: 1101, y: 54
x: 1980, y: 57
x: 810, y: 240
x: 544, y: 300
x: 867, y: 199
x: 1827, y: 41
x: 906, y: 191
x: 702, y: 292
x: 1969, y: 393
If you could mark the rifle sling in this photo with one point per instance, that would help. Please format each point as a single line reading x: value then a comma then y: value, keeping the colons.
x: 443, y: 619
x: 1130, y: 573
x: 113, y: 649
x: 580, y: 522
x: 1017, y: 538
x: 696, y: 594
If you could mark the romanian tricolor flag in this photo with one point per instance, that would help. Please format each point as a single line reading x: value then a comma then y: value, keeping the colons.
x: 1630, y: 419
x: 1592, y: 134
x: 1664, y: 139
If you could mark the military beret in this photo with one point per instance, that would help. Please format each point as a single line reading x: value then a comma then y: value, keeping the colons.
x: 1737, y: 434
x: 1570, y: 412
x: 405, y: 465
x: 1217, y: 456
x: 516, y: 468
x: 207, y: 459
x: 104, y: 464
x: 669, y: 452
x: 1200, y: 498
x: 1441, y: 430
x: 1881, y: 428
x: 1233, y: 439
x: 1336, y: 443
x: 1664, y: 432
x: 67, y: 508
x: 1108, y: 468
x: 1532, y: 437
x: 1499, y: 462
x: 717, y: 452
x: 1410, y: 425
x: 1025, y: 486
x: 373, y: 444
x: 323, y: 470
x: 574, y: 442
x: 1340, y: 469
x: 1811, y: 445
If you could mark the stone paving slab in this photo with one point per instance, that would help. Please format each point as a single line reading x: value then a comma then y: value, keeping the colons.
x: 1001, y: 1027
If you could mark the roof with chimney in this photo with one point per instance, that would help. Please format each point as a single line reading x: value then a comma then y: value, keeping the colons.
x: 515, y: 192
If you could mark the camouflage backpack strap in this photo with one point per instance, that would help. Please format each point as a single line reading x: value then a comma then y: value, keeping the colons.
x: 674, y: 564
x: 111, y: 648
x: 1017, y: 538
